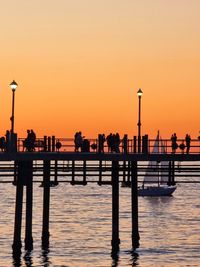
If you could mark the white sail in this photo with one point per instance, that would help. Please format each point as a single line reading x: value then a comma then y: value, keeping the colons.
x: 152, y: 173
x: 164, y: 168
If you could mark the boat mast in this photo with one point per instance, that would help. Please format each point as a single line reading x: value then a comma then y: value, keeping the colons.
x: 158, y: 165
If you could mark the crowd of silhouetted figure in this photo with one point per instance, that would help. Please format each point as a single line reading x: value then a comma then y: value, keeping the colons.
x: 29, y: 142
x: 112, y: 142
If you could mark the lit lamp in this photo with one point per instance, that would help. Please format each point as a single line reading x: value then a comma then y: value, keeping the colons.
x: 139, y: 93
x: 13, y: 86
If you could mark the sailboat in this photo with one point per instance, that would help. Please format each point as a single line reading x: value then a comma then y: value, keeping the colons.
x: 156, y: 177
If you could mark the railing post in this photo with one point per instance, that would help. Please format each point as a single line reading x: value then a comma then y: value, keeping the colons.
x: 49, y: 144
x: 145, y: 144
x: 125, y: 144
x: 134, y: 144
x: 53, y: 144
x: 99, y: 145
x: 45, y: 143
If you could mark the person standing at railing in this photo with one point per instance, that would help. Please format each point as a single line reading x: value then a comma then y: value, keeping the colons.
x: 78, y: 141
x: 8, y: 141
x: 101, y: 141
x: 174, y: 143
x: 109, y: 139
x: 116, y: 143
x: 32, y: 139
x: 187, y: 140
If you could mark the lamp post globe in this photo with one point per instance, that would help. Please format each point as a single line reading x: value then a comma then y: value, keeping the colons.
x: 13, y: 85
x: 139, y: 92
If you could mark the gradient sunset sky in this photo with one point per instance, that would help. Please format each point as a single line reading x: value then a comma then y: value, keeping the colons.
x: 80, y: 63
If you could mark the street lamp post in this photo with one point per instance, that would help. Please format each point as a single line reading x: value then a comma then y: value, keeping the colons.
x: 13, y: 86
x: 139, y: 93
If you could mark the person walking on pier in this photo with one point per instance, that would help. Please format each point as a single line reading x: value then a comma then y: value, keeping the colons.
x: 187, y: 140
x: 174, y: 143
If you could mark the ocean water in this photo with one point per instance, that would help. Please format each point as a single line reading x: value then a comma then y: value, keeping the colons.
x: 80, y: 228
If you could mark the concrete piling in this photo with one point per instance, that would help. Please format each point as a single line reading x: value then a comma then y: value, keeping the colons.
x: 115, y: 206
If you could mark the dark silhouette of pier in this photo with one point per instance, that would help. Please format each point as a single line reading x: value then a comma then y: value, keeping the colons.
x: 51, y: 164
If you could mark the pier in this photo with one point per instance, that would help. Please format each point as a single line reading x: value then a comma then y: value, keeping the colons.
x: 48, y: 166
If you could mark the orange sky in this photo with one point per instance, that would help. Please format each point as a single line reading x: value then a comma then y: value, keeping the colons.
x: 80, y: 63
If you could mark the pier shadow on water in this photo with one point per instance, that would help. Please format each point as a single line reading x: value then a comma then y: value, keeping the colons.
x: 27, y: 259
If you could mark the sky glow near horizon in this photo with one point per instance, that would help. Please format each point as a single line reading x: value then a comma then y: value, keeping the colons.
x: 80, y: 63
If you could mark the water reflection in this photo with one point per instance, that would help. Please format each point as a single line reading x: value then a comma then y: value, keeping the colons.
x: 28, y: 259
x: 17, y: 260
x: 115, y: 257
x: 134, y: 258
x: 164, y: 229
x: 45, y: 257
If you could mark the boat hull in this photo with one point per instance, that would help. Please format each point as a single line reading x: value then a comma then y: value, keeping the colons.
x: 156, y: 191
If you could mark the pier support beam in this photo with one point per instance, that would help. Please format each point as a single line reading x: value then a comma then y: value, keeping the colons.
x: 73, y: 172
x: 46, y: 204
x: 134, y: 200
x: 171, y: 177
x: 170, y: 174
x: 100, y: 172
x: 115, y: 207
x: 29, y: 205
x: 56, y: 173
x: 173, y: 174
x: 18, y: 209
x: 84, y: 172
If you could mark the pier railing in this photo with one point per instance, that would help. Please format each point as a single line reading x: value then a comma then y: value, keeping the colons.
x: 126, y: 146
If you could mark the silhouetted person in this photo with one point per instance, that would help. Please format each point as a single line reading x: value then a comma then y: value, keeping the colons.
x: 27, y: 141
x: 78, y: 141
x: 187, y: 140
x: 125, y: 143
x: 8, y: 140
x: 109, y: 142
x: 174, y: 143
x: 102, y: 139
x: 32, y: 139
x: 58, y: 145
x: 85, y: 146
x: 116, y: 143
x: 75, y: 142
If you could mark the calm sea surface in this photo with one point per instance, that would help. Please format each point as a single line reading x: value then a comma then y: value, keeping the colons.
x: 80, y: 227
